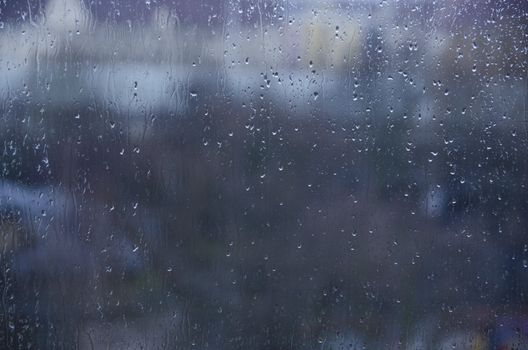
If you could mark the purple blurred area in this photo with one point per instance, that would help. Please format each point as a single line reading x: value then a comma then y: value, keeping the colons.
x: 189, y: 12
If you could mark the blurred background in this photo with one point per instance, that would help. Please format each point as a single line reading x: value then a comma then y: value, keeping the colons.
x: 263, y: 174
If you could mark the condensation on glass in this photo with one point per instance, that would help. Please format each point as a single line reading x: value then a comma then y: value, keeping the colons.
x: 263, y: 174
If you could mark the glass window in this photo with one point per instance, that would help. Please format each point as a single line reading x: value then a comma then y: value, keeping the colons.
x: 263, y: 174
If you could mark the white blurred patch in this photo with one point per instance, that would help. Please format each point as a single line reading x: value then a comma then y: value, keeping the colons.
x: 66, y: 15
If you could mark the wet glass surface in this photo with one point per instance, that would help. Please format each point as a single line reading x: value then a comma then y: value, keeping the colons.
x: 263, y: 174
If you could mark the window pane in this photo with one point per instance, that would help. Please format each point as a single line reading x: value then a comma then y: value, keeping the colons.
x: 263, y: 174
